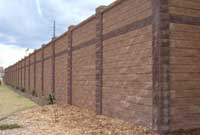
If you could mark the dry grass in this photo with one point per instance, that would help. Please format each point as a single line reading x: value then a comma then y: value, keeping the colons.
x: 11, y: 102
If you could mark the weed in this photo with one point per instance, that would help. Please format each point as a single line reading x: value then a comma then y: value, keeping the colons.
x: 34, y: 93
x: 51, y: 99
x: 9, y: 126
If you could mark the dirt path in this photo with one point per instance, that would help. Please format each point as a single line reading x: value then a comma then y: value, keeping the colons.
x: 11, y: 102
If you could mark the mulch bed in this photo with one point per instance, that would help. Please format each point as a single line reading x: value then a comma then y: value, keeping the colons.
x: 70, y: 120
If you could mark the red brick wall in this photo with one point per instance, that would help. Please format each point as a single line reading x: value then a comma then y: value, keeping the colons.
x: 61, y: 70
x: 128, y: 74
x: 184, y: 63
x: 27, y: 75
x: 123, y: 65
x: 125, y: 13
x: 32, y: 72
x: 47, y: 70
x: 83, y: 66
x: 127, y: 64
x: 20, y: 70
x: 38, y: 72
x: 23, y: 74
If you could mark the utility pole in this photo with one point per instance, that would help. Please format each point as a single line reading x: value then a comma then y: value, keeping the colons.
x: 54, y: 29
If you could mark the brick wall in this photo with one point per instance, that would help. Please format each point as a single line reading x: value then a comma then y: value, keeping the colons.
x: 127, y: 61
x: 38, y: 72
x: 137, y: 60
x: 61, y: 69
x: 31, y: 87
x: 23, y: 71
x: 47, y: 70
x: 27, y: 75
x: 20, y: 75
x: 83, y: 65
x: 184, y: 64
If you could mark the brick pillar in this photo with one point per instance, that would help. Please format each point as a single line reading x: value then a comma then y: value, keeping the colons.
x: 17, y: 75
x: 8, y: 76
x: 11, y: 75
x: 21, y: 74
x: 34, y: 71
x: 69, y: 66
x: 29, y: 72
x: 42, y: 77
x: 161, y: 84
x: 53, y: 66
x: 5, y: 76
x: 99, y: 58
x: 24, y: 74
x: 14, y: 75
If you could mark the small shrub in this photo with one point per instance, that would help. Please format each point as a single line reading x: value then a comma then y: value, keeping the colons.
x: 51, y: 99
x: 34, y: 93
x: 23, y: 90
x: 10, y: 126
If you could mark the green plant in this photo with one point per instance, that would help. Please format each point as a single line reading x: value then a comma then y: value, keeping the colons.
x: 34, y: 93
x: 51, y: 99
x: 23, y: 90
x: 9, y: 126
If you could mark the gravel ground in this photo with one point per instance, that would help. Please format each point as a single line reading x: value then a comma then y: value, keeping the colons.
x: 70, y: 120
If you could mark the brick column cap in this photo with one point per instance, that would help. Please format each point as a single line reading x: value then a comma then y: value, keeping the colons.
x: 100, y: 8
x: 43, y: 45
x: 71, y: 27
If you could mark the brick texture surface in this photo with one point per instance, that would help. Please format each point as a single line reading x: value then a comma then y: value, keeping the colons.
x: 125, y: 13
x: 127, y: 72
x: 31, y: 88
x: 185, y: 7
x: 38, y: 73
x: 185, y: 77
x: 83, y: 67
x: 184, y: 63
x: 61, y: 70
x: 27, y: 75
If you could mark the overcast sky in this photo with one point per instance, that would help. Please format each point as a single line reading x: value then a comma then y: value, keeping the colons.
x: 28, y: 23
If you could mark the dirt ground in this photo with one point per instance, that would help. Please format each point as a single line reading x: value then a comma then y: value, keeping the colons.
x: 60, y: 120
x: 70, y: 120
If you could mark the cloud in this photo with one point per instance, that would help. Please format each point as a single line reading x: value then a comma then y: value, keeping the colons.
x: 9, y: 54
x: 7, y: 39
x: 28, y: 23
x: 39, y: 7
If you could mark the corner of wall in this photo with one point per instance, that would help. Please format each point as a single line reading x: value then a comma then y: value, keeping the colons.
x: 161, y: 83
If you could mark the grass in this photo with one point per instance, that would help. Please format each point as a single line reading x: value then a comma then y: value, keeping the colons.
x: 11, y: 102
x: 9, y: 126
